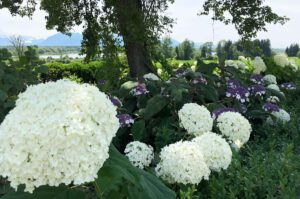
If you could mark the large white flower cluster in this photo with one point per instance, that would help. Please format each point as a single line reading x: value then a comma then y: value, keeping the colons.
x: 234, y: 126
x: 270, y: 79
x: 259, y: 65
x: 216, y: 151
x: 195, y: 119
x: 294, y: 66
x: 274, y: 87
x: 242, y: 58
x: 281, y: 59
x: 273, y: 99
x: 235, y: 64
x: 282, y: 116
x: 139, y: 154
x: 151, y: 76
x: 182, y: 162
x: 59, y: 132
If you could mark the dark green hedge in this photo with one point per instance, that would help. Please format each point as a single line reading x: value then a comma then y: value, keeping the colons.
x: 93, y: 72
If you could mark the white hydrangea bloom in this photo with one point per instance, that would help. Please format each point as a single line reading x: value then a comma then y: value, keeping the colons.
x: 259, y: 65
x: 281, y: 59
x: 242, y: 58
x: 282, y: 116
x: 270, y: 79
x: 241, y: 65
x: 139, y: 154
x: 216, y: 151
x: 274, y: 87
x: 234, y: 126
x: 273, y: 99
x: 151, y: 76
x: 195, y: 119
x: 59, y: 132
x: 293, y: 66
x: 231, y: 63
x: 182, y: 162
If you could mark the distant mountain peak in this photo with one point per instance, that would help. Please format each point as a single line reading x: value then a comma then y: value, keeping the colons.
x: 57, y: 39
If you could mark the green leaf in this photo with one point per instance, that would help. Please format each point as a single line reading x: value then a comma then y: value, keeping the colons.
x: 126, y: 88
x: 3, y: 96
x: 46, y: 192
x: 154, y: 105
x: 42, y: 69
x: 209, y: 92
x: 137, y: 130
x: 258, y: 114
x: 206, y: 68
x: 177, y: 94
x: 119, y: 179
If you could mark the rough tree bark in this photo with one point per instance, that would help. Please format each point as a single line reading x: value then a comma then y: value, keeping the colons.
x: 132, y: 28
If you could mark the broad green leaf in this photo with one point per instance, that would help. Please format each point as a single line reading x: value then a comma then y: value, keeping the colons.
x: 137, y: 130
x: 209, y: 92
x: 3, y: 96
x: 126, y: 88
x: 118, y: 178
x: 42, y: 69
x: 206, y: 68
x: 257, y: 114
x: 154, y: 106
x: 47, y: 192
x: 280, y: 95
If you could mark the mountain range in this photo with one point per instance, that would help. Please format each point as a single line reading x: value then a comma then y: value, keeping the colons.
x: 60, y: 39
x: 54, y: 40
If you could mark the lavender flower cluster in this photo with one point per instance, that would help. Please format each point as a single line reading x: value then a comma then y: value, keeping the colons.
x: 237, y: 91
x: 270, y: 107
x: 288, y: 86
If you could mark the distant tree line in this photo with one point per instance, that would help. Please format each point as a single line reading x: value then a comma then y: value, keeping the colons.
x: 187, y: 51
x: 292, y: 50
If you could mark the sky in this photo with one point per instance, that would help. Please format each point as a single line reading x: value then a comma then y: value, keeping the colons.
x: 188, y: 24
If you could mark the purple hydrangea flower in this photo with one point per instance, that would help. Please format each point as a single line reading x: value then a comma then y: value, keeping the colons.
x: 257, y: 90
x: 140, y: 89
x: 180, y: 72
x: 197, y: 80
x: 239, y: 93
x: 125, y: 120
x: 257, y: 79
x: 288, y: 86
x: 233, y: 83
x: 216, y: 113
x: 270, y: 107
x: 101, y: 82
x: 116, y: 101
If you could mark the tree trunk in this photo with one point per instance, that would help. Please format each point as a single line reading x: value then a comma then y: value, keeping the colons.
x: 131, y: 24
x: 138, y: 59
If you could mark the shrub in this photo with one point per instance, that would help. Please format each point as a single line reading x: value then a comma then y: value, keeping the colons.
x: 110, y: 74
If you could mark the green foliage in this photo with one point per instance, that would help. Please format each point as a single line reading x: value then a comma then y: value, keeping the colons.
x: 15, y: 76
x: 285, y: 74
x: 166, y: 48
x: 93, y: 72
x: 248, y: 17
x: 267, y: 168
x: 292, y: 50
x: 46, y: 192
x: 119, y: 179
x: 185, y: 51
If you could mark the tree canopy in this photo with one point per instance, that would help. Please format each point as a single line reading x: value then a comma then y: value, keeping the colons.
x: 138, y: 24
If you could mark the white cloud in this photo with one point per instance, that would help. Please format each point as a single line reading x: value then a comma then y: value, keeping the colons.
x: 189, y: 25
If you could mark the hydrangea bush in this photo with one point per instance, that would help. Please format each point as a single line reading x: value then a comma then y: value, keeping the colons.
x: 49, y: 126
x: 167, y: 127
